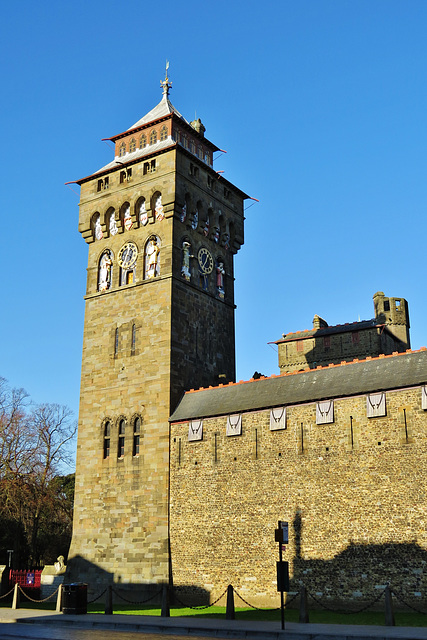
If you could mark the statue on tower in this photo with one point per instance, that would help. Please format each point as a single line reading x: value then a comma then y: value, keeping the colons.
x: 166, y: 84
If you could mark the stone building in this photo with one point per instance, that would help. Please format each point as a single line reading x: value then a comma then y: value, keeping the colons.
x: 162, y: 228
x: 387, y: 333
x: 182, y: 474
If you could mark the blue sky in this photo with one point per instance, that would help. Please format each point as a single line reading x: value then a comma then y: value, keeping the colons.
x: 321, y: 106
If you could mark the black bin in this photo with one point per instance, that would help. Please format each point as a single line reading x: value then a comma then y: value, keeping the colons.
x: 74, y: 598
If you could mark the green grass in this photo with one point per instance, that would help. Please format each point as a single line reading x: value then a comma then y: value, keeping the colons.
x: 403, y: 619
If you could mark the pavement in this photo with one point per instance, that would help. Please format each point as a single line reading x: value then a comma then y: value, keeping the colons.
x: 209, y: 627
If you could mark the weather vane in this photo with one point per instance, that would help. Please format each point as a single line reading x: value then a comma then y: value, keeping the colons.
x: 166, y: 84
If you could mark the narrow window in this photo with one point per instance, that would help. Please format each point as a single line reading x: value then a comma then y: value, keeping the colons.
x: 106, y: 182
x: 122, y: 150
x: 129, y: 277
x: 132, y: 145
x: 146, y: 168
x: 121, y: 442
x: 133, y: 340
x: 116, y: 342
x: 107, y: 429
x: 100, y: 185
x: 327, y: 342
x: 300, y: 345
x: 136, y: 436
x: 129, y: 174
x: 355, y: 337
x: 122, y: 176
x: 163, y: 133
x: 142, y: 141
x: 153, y: 166
x: 153, y: 137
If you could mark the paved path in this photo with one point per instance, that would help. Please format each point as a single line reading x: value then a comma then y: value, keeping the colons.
x: 209, y: 627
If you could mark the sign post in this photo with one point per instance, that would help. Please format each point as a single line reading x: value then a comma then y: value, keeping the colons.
x: 281, y: 535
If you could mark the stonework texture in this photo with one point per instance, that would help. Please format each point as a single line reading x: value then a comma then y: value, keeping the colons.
x: 353, y: 492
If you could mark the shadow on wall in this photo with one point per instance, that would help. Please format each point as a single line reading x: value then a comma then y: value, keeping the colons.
x: 81, y: 570
x: 360, y: 572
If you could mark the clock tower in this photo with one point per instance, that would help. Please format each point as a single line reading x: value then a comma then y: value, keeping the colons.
x: 162, y: 228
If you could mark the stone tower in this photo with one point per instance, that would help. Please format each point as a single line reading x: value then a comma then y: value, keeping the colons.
x: 162, y: 227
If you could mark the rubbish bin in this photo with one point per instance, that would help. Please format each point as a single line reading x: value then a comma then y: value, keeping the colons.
x: 74, y: 598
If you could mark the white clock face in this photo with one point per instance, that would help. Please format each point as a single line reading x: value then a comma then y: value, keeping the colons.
x: 127, y: 255
x: 205, y: 261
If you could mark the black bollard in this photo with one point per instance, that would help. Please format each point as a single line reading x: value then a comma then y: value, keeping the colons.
x: 389, y: 613
x: 303, y: 606
x: 229, y: 612
x: 165, y: 602
x: 109, y: 601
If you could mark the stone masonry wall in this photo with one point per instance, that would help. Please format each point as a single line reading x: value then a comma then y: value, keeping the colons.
x: 357, y: 509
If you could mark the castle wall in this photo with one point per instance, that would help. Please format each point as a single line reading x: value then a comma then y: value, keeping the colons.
x: 353, y: 492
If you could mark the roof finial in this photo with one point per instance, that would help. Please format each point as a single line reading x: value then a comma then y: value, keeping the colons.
x: 166, y: 84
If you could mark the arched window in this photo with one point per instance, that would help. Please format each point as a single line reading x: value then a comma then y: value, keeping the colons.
x: 121, y: 440
x: 163, y: 133
x: 142, y: 141
x: 152, y: 258
x: 132, y: 145
x: 133, y: 340
x: 153, y: 137
x: 122, y: 149
x: 136, y: 436
x: 107, y: 433
x: 116, y: 341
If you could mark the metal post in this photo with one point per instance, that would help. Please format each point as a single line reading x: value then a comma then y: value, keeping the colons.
x: 109, y: 601
x: 59, y: 600
x: 282, y: 599
x: 15, y: 601
x: 229, y: 612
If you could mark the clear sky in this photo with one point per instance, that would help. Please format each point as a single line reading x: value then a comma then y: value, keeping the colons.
x: 321, y: 106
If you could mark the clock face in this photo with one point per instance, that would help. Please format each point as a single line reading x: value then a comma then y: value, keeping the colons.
x: 127, y: 255
x: 205, y: 261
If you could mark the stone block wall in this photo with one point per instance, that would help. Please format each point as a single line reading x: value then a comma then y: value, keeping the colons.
x: 353, y: 492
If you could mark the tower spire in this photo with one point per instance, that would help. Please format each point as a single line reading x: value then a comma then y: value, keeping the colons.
x: 166, y: 84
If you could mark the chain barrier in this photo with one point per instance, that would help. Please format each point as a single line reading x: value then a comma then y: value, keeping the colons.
x: 32, y: 599
x: 399, y: 597
x: 253, y: 606
x: 201, y: 606
x: 346, y: 612
x: 137, y: 601
x: 7, y: 594
x: 97, y: 597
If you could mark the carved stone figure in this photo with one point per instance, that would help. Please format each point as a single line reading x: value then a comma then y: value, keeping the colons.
x: 220, y: 273
x: 185, y: 269
x: 105, y: 265
x: 152, y: 259
x: 160, y: 214
x: 206, y: 227
x: 113, y: 225
x: 183, y: 215
x: 215, y: 235
x: 98, y: 229
x: 225, y: 242
x: 143, y: 215
x: 195, y: 220
x: 128, y: 222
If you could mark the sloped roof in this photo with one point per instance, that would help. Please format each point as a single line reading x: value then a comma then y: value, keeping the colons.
x: 327, y: 331
x: 347, y: 379
x: 164, y: 108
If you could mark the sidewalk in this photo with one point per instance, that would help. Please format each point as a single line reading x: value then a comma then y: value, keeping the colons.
x: 213, y: 627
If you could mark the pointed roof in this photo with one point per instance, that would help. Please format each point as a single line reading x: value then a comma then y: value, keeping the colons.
x: 164, y: 108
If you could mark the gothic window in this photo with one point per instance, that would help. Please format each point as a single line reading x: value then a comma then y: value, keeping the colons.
x: 122, y: 149
x: 152, y: 258
x: 327, y: 342
x: 195, y: 430
x: 153, y: 137
x: 121, y: 440
x: 234, y: 425
x: 278, y: 418
x: 136, y: 436
x: 325, y: 412
x: 376, y: 405
x: 132, y: 145
x: 300, y: 345
x: 355, y: 337
x: 105, y: 269
x: 107, y: 433
x: 142, y: 141
x: 163, y: 133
